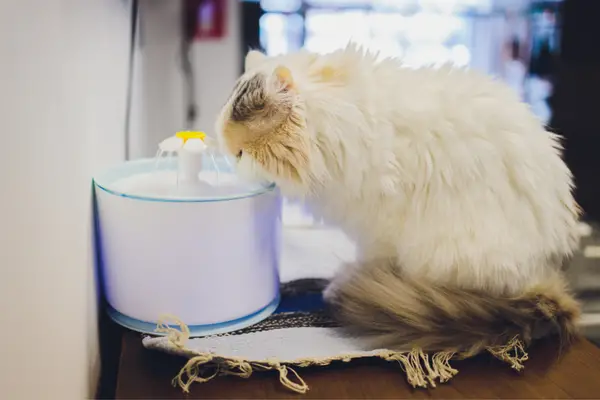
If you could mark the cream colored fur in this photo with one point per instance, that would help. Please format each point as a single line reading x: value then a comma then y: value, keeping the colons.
x: 442, y: 170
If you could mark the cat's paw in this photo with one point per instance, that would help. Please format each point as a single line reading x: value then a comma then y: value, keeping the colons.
x: 331, y: 293
x: 341, y: 277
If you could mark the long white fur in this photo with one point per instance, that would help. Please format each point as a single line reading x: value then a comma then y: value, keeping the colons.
x: 443, y: 170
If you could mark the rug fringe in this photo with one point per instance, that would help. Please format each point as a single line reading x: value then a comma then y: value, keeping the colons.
x: 421, y: 370
x: 177, y: 337
x: 300, y: 387
x: 192, y: 371
x: 512, y: 353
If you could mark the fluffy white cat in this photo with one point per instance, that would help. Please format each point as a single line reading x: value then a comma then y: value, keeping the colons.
x: 456, y: 195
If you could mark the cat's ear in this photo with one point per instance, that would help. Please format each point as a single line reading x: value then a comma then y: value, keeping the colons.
x: 284, y: 77
x: 253, y: 59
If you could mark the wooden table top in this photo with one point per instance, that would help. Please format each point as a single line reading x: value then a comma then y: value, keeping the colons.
x: 145, y: 374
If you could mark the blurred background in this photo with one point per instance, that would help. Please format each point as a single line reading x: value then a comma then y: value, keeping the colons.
x: 90, y: 84
x: 516, y: 40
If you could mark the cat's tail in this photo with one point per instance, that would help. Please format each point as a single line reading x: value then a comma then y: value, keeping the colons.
x: 393, y: 311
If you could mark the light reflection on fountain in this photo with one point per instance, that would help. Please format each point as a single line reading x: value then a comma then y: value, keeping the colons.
x: 187, y: 165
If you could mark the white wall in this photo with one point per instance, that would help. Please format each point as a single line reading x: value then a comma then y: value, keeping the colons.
x: 159, y: 109
x: 63, y: 68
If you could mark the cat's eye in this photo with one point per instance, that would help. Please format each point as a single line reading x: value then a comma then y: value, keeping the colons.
x: 239, y: 155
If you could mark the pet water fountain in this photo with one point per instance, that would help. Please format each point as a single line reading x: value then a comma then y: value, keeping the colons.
x: 182, y: 235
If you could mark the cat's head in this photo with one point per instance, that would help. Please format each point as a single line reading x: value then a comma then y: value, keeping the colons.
x: 263, y: 124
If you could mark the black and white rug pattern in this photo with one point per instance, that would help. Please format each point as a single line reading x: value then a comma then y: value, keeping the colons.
x: 300, y: 333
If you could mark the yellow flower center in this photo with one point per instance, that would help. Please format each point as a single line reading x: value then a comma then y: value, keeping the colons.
x: 185, y: 135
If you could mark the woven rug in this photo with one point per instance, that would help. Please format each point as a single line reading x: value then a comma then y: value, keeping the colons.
x: 299, y: 334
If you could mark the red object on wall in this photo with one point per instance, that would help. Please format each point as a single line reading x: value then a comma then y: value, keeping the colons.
x: 212, y: 15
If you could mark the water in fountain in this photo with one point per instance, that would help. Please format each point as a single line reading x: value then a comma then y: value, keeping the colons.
x: 217, y: 179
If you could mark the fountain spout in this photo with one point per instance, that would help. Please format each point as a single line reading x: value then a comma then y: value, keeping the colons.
x: 190, y: 161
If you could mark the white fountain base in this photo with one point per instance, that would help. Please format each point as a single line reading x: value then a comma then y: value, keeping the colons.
x: 210, y: 259
x: 196, y: 330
